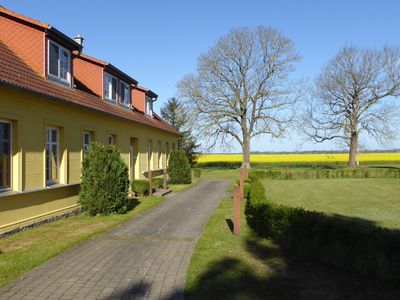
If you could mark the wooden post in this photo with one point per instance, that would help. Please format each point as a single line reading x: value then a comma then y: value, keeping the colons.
x: 150, y: 176
x: 241, y: 182
x: 165, y: 177
x: 236, y: 210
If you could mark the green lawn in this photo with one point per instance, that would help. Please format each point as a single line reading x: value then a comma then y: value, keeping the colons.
x: 376, y: 199
x: 225, y: 266
x: 23, y: 251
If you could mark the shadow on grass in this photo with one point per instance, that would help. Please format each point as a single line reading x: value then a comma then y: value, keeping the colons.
x: 281, y: 278
x: 230, y: 224
x: 132, y: 203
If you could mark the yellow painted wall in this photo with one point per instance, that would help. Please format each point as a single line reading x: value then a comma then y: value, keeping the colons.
x: 30, y: 115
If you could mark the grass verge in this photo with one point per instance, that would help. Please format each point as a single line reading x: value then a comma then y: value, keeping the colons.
x: 224, y: 266
x: 25, y: 250
x: 373, y: 199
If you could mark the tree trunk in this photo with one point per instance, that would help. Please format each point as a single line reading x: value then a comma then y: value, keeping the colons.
x: 353, y: 150
x: 246, y: 153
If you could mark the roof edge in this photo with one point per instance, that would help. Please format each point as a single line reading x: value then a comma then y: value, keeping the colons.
x: 66, y: 102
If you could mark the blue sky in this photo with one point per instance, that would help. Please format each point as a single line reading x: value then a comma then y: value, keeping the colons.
x: 158, y: 42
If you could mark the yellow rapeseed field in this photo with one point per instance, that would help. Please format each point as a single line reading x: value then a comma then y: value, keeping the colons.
x: 297, y: 158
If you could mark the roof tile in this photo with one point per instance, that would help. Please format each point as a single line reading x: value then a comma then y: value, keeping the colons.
x: 14, y: 72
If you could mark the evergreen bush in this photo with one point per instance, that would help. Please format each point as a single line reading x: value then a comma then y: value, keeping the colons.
x: 179, y: 168
x: 104, y: 181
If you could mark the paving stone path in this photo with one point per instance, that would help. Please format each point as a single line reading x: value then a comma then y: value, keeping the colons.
x: 145, y: 258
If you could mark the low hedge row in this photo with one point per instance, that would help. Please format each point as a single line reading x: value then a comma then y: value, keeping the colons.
x: 347, y: 243
x: 141, y: 186
x: 288, y: 173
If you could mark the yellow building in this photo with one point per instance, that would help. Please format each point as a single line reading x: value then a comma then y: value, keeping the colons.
x: 54, y: 101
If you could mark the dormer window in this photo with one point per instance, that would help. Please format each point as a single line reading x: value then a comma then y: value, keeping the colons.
x: 149, y: 106
x: 125, y: 91
x: 59, y: 64
x: 110, y: 87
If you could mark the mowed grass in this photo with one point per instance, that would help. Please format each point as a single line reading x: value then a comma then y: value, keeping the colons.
x: 373, y: 199
x: 224, y: 266
x: 298, y: 158
x: 23, y: 251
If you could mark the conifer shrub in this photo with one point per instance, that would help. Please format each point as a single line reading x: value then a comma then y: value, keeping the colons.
x: 104, y: 181
x: 179, y: 168
x: 140, y: 187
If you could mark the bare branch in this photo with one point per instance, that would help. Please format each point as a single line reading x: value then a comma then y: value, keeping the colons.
x: 242, y: 89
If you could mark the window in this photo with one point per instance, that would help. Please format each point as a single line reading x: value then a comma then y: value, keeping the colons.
x: 52, y: 156
x: 159, y: 163
x: 149, y: 106
x: 5, y: 154
x: 111, y: 139
x: 59, y: 63
x: 87, y: 139
x: 110, y: 87
x: 166, y: 153
x: 125, y: 91
x: 132, y: 161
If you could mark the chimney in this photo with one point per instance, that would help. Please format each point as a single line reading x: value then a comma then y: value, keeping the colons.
x: 79, y: 40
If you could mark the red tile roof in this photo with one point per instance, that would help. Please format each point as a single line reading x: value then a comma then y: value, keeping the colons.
x: 15, y: 73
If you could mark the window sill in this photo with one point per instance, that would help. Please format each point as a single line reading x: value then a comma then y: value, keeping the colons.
x: 6, y: 193
x: 111, y: 101
x: 58, y: 81
x: 125, y: 106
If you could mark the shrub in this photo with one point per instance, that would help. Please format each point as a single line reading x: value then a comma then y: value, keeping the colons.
x: 158, y: 182
x: 350, y: 244
x: 104, y: 181
x: 179, y: 168
x: 140, y: 187
x: 197, y: 172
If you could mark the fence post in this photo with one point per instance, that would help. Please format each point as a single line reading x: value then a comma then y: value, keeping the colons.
x: 236, y: 210
x: 150, y: 176
x: 165, y: 176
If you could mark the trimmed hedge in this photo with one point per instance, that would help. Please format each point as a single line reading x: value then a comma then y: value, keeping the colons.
x: 158, y: 182
x: 318, y: 173
x: 179, y: 168
x: 347, y: 243
x: 140, y: 187
x: 104, y: 181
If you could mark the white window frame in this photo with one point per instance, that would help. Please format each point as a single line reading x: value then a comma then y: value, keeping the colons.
x: 51, y: 182
x: 84, y: 145
x: 166, y: 154
x: 52, y: 76
x: 132, y: 159
x: 149, y: 106
x: 112, y: 136
x: 109, y: 96
x: 126, y: 104
x: 159, y: 154
x: 11, y: 160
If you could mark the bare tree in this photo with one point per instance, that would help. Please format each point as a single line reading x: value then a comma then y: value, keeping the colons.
x: 353, y: 94
x: 242, y: 88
